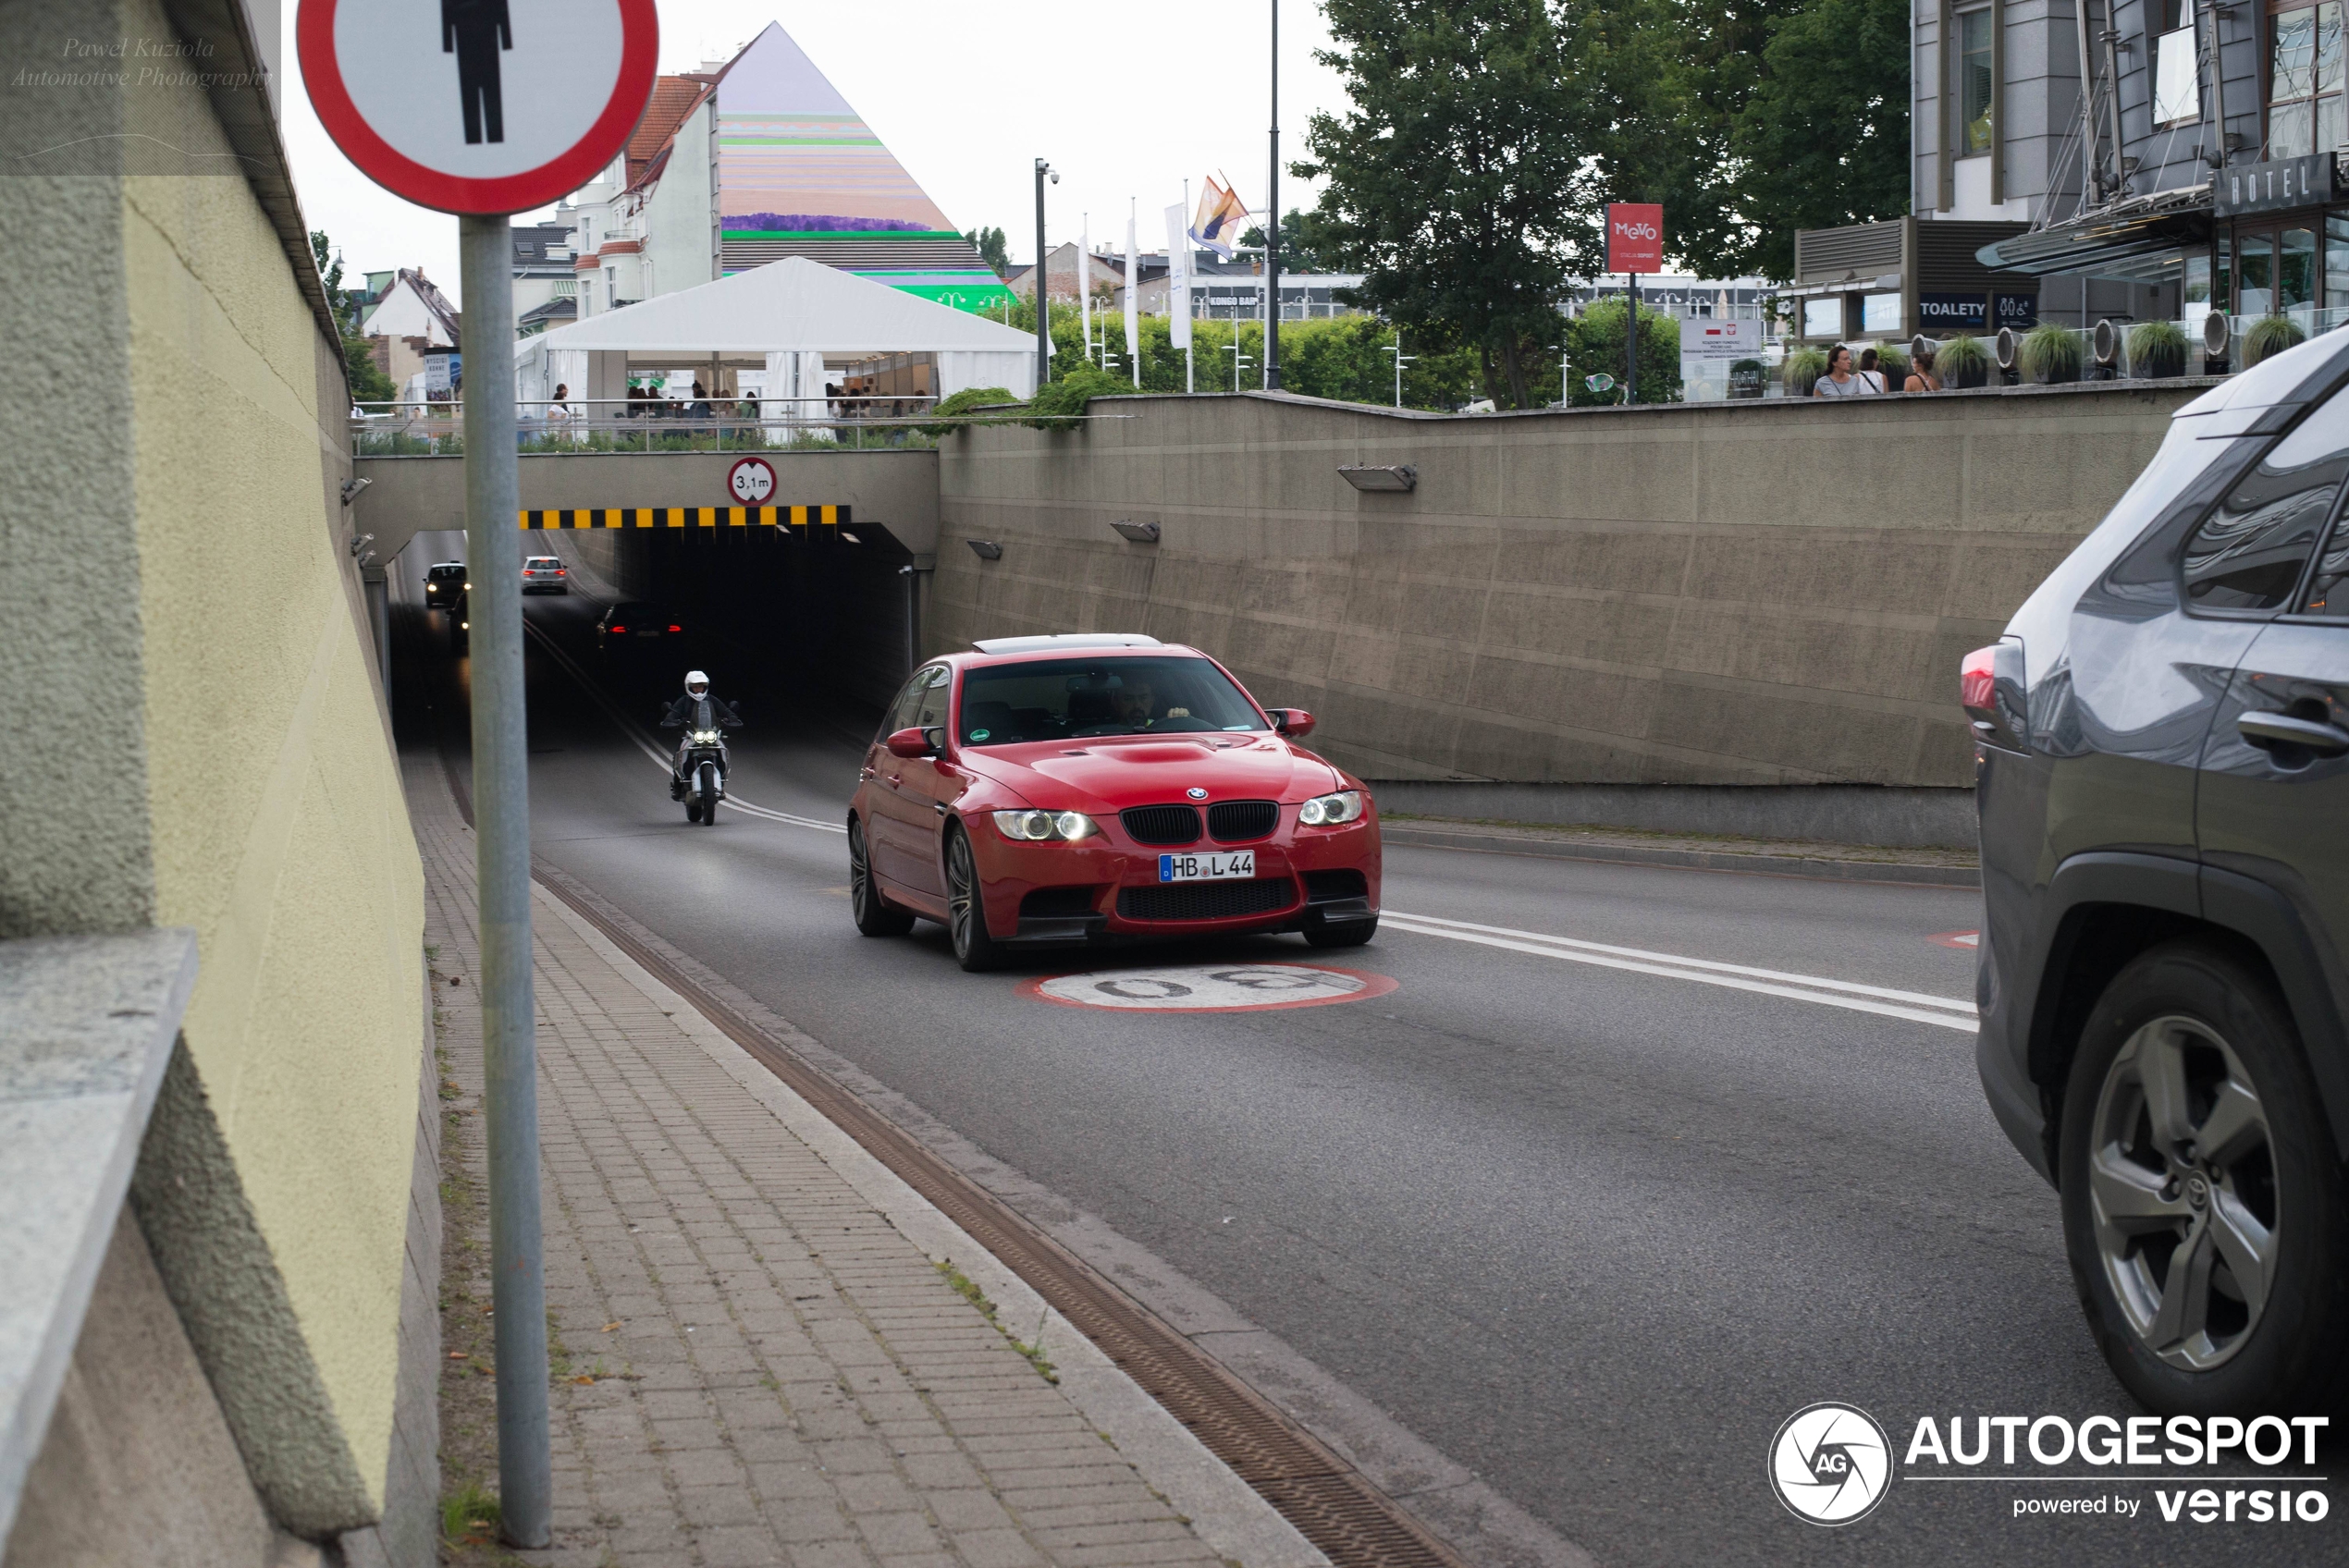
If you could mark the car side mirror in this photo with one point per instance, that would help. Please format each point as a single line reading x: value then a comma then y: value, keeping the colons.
x: 1294, y: 723
x: 910, y: 743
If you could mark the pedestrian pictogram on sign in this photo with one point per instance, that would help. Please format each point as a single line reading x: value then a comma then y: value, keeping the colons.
x: 479, y: 105
x: 750, y: 481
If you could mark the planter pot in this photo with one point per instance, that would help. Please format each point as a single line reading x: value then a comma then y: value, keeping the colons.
x: 2056, y: 374
x: 1968, y: 376
x: 2158, y: 364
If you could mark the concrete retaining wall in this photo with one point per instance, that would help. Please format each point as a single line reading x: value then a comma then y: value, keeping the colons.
x: 1770, y: 593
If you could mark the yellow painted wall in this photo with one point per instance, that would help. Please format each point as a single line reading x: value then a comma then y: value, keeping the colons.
x: 280, y: 831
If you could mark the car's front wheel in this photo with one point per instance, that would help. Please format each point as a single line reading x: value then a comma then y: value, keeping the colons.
x: 967, y: 908
x: 873, y: 917
x: 2204, y: 1204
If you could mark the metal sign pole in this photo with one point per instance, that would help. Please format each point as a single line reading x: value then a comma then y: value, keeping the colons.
x: 1632, y: 340
x: 1273, y: 227
x: 501, y: 830
x: 1043, y: 292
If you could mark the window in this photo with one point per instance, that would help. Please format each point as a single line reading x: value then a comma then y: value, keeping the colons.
x: 2305, y: 111
x: 2337, y: 257
x: 1880, y: 312
x: 2327, y: 592
x: 1975, y: 81
x: 2177, y: 83
x: 2295, y: 269
x: 1822, y: 318
x: 2256, y: 274
x: 1062, y: 699
x: 2248, y: 555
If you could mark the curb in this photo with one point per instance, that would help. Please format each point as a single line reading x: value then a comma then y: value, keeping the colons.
x: 1898, y: 871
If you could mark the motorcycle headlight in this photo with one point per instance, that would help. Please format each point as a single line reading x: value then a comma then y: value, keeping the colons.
x: 1039, y: 825
x: 1328, y: 811
x: 705, y: 737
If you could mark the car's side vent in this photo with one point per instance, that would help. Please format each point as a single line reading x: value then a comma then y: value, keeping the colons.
x: 1058, y: 903
x: 1327, y: 887
x: 1161, y: 825
x: 1236, y: 821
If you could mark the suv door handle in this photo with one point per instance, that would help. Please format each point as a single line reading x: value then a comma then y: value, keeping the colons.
x: 2266, y: 729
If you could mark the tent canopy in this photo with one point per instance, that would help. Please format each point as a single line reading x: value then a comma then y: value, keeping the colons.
x: 790, y: 306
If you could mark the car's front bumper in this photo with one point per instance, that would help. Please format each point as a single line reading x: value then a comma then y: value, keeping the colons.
x: 1105, y: 866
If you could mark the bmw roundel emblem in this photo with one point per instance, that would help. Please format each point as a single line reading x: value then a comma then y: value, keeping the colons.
x: 1196, y: 793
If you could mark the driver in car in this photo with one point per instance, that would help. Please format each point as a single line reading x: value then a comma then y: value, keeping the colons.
x: 1136, y: 705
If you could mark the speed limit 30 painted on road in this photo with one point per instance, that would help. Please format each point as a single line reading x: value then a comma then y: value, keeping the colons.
x: 479, y: 105
x: 1210, y: 987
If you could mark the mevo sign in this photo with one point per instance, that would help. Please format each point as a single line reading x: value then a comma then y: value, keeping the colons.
x: 1635, y: 237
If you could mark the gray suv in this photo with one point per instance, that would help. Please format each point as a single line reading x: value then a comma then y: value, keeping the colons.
x: 2163, y: 766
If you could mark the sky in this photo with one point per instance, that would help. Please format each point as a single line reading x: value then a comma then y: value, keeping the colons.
x: 1138, y: 100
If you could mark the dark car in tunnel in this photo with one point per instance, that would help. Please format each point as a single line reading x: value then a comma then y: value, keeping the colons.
x: 634, y: 627
x: 1071, y: 789
x: 445, y: 584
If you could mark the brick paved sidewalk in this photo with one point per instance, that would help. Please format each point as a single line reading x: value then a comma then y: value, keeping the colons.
x: 768, y: 1370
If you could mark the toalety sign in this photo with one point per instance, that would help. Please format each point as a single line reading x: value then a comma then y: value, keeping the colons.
x: 1831, y: 1465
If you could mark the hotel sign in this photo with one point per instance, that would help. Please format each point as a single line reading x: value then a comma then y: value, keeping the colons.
x: 2267, y: 188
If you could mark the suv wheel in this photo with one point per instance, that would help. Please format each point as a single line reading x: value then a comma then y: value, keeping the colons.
x: 2204, y: 1206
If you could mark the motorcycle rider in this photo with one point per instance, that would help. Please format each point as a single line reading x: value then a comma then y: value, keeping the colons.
x: 697, y: 709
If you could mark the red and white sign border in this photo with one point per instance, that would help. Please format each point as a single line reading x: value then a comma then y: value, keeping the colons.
x: 404, y: 177
x: 774, y: 482
x: 1373, y: 985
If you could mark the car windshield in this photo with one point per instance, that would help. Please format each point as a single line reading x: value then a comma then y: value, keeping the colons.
x: 623, y: 614
x: 1063, y: 699
x: 540, y: 562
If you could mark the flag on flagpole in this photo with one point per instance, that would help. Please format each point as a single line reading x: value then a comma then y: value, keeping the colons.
x: 1178, y: 277
x: 1133, y: 298
x: 1221, y: 217
x: 1085, y: 284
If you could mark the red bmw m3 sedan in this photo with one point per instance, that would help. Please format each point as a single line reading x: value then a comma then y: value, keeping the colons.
x: 1043, y: 792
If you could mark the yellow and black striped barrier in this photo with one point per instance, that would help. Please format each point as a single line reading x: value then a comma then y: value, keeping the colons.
x: 688, y: 517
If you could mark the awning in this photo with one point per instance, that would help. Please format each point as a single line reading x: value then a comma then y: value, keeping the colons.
x: 2142, y: 225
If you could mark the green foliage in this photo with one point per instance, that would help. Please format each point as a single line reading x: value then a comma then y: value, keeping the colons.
x: 1302, y: 237
x: 2156, y: 347
x: 2050, y: 353
x: 1596, y: 343
x: 1960, y: 358
x: 368, y: 382
x: 1803, y: 368
x: 1893, y: 363
x: 1751, y: 118
x: 1062, y: 399
x: 2270, y: 335
x: 992, y: 249
x: 468, y: 1515
x: 964, y: 402
x: 1456, y: 182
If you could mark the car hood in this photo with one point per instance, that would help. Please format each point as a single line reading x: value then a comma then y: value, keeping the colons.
x: 1113, y: 775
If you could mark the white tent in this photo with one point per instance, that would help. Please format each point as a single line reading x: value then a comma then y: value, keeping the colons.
x: 790, y: 314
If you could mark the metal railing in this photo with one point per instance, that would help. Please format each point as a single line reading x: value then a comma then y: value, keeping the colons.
x: 637, y: 424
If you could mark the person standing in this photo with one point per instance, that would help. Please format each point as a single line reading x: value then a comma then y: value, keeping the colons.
x: 1921, y: 377
x: 1841, y: 380
x: 1868, y: 373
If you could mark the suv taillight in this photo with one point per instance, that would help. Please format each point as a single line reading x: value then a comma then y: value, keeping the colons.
x: 1978, y: 682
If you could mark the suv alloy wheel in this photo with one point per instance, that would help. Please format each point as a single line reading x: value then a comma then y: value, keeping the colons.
x: 2205, y: 1207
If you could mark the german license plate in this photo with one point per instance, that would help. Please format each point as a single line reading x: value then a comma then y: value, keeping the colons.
x: 1207, y: 868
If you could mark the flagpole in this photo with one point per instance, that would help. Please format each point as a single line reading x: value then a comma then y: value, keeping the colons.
x: 1190, y: 381
x: 1273, y: 227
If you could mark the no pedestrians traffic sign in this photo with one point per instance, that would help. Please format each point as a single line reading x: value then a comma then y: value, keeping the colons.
x: 479, y: 105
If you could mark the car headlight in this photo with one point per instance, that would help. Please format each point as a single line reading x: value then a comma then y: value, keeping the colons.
x: 1328, y: 811
x: 1036, y: 825
x: 705, y: 737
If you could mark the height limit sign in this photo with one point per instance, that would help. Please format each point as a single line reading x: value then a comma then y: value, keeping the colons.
x: 479, y: 105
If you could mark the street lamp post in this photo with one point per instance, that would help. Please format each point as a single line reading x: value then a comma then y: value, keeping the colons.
x: 1043, y: 294
x: 1401, y: 359
x: 1273, y: 227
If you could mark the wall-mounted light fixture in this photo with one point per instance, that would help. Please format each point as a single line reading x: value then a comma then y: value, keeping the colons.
x: 985, y: 549
x: 1136, y: 532
x: 1397, y: 476
x: 351, y: 488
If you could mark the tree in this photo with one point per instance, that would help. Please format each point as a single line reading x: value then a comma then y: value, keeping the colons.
x: 1595, y: 347
x: 1302, y: 240
x: 992, y: 248
x: 368, y: 382
x: 1456, y: 182
x: 1750, y: 118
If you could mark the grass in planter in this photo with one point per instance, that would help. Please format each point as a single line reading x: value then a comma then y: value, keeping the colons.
x: 1961, y: 356
x: 2051, y: 353
x: 2270, y: 335
x: 2156, y: 347
x: 1803, y: 368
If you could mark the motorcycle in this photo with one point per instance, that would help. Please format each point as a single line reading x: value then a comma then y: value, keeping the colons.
x: 704, y: 784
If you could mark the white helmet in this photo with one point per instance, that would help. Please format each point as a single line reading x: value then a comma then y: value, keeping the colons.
x: 696, y: 683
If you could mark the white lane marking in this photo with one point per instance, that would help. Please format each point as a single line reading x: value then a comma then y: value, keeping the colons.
x: 1946, y: 1011
x: 660, y: 759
